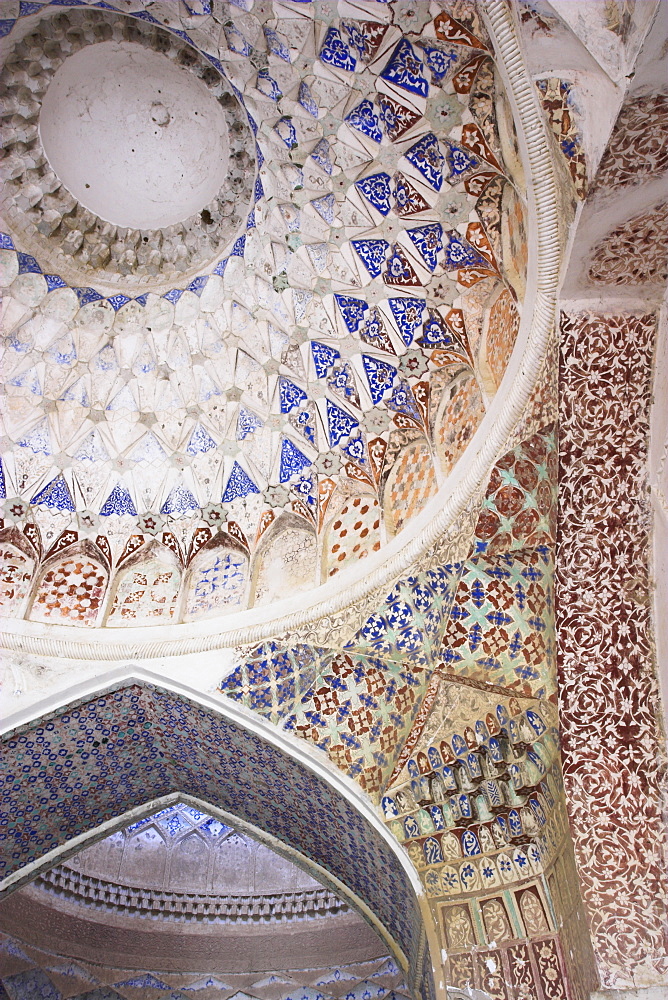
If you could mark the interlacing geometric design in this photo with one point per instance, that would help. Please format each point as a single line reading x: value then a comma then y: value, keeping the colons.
x: 327, y: 355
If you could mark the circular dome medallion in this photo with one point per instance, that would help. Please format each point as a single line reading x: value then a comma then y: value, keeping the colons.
x: 135, y: 138
x: 145, y: 159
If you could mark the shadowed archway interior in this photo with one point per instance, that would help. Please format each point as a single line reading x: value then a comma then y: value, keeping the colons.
x: 97, y: 759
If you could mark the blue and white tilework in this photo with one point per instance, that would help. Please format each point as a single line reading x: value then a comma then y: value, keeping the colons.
x: 159, y: 742
x: 312, y: 315
x: 41, y: 973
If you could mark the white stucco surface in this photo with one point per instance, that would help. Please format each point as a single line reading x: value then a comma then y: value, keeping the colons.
x: 138, y: 140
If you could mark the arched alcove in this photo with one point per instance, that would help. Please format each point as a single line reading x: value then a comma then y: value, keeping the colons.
x: 106, y: 758
x: 353, y: 533
x: 17, y: 562
x: 231, y: 864
x: 189, y: 864
x: 71, y: 586
x: 502, y: 323
x: 145, y: 844
x: 105, y: 858
x: 286, y: 561
x: 460, y: 410
x: 410, y: 484
x: 145, y: 588
x: 217, y: 579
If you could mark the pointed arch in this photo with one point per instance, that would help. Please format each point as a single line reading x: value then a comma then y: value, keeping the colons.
x: 286, y: 560
x: 71, y: 586
x: 18, y: 559
x: 145, y: 588
x: 217, y: 579
x: 114, y: 754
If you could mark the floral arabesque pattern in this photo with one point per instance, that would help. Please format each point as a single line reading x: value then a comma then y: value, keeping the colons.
x: 520, y: 505
x: 634, y: 253
x: 614, y: 765
x: 638, y: 148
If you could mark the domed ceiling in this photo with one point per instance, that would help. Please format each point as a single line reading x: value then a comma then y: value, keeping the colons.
x: 263, y: 268
x: 179, y: 901
x: 180, y: 848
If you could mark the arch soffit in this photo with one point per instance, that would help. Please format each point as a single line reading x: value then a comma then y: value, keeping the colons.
x: 392, y: 889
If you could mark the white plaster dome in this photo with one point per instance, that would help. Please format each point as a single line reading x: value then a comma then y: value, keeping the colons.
x: 129, y: 160
x: 138, y: 140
